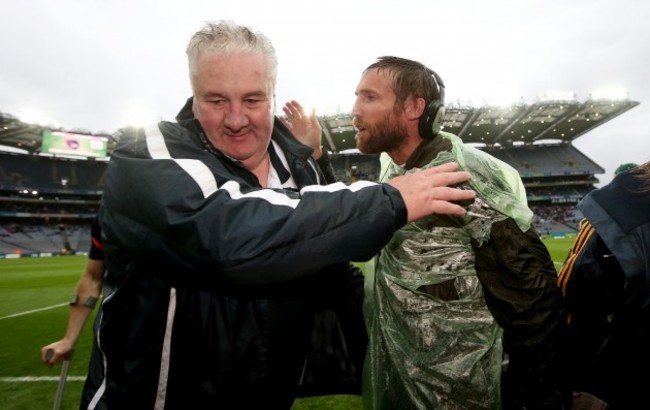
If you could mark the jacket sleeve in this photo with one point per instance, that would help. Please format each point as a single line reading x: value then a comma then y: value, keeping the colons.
x: 178, y: 206
x: 325, y: 165
x: 520, y: 285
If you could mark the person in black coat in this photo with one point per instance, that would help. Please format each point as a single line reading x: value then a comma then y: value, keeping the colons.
x: 606, y: 282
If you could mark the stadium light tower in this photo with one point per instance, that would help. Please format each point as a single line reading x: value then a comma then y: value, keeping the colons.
x: 557, y: 96
x: 502, y: 98
x: 610, y: 93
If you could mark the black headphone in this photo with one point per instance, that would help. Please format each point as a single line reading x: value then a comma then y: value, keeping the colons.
x: 431, y: 120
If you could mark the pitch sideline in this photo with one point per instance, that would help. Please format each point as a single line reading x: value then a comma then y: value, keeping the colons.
x: 26, y: 379
x: 33, y: 311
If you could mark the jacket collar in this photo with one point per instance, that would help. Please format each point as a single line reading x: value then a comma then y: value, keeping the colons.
x: 427, y: 151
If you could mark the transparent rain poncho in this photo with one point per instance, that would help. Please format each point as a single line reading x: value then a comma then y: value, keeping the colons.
x: 433, y: 342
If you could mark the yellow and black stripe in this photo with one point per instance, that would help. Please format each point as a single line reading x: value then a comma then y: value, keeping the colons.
x: 586, y: 232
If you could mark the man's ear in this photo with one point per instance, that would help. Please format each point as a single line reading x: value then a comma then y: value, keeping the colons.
x: 414, y: 107
x: 194, y: 106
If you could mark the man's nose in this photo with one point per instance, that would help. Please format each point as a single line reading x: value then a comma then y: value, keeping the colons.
x: 355, y: 109
x: 235, y: 117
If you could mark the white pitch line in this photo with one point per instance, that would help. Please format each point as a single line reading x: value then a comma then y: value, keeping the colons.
x: 34, y: 311
x: 25, y: 379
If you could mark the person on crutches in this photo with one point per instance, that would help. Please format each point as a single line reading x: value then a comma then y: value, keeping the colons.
x: 81, y: 305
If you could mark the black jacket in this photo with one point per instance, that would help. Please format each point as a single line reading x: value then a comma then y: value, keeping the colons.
x: 606, y: 280
x: 213, y: 285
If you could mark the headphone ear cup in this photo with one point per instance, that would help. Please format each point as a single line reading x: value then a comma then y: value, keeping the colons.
x: 431, y: 120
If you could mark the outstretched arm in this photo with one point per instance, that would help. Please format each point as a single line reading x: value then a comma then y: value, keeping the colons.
x: 178, y: 216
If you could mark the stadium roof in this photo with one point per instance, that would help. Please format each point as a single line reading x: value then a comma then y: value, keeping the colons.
x: 546, y: 119
x: 563, y: 120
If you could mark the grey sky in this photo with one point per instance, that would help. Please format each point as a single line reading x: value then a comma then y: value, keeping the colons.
x: 94, y: 64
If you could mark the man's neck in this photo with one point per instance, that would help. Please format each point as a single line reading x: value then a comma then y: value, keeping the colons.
x: 427, y: 151
x: 404, y: 151
x: 261, y: 170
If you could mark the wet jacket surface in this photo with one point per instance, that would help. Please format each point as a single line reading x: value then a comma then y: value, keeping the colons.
x: 452, y: 294
x: 606, y: 280
x: 213, y: 285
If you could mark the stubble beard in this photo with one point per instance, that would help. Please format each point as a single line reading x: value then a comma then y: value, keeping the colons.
x: 385, y: 136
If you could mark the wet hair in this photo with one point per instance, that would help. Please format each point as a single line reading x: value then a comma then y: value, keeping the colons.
x: 409, y: 79
x: 226, y: 37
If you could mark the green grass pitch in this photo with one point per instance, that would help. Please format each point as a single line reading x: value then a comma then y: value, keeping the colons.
x: 33, y: 312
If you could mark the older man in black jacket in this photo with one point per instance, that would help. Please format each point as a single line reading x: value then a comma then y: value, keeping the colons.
x: 223, y: 248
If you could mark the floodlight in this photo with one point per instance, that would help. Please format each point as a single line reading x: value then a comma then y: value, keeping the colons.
x: 557, y: 96
x: 610, y: 93
x: 502, y: 99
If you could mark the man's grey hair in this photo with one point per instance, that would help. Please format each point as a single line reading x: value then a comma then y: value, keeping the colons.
x: 225, y: 36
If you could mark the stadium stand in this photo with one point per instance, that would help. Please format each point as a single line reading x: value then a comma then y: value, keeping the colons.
x: 48, y: 201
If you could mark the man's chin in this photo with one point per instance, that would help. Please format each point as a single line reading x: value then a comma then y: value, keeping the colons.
x: 362, y: 145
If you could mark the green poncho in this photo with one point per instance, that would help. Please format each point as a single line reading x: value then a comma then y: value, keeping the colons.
x: 433, y: 342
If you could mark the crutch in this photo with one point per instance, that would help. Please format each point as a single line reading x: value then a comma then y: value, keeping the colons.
x: 64, y: 376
